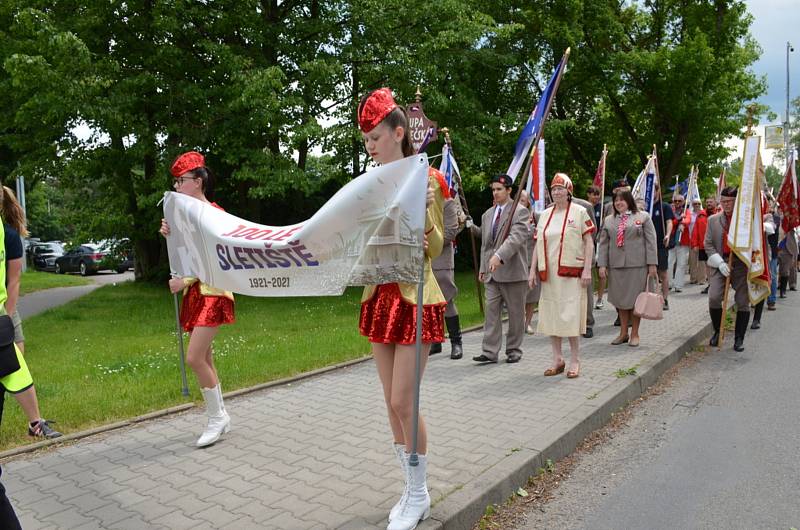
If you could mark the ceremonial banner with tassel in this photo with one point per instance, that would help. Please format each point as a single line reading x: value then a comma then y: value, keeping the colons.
x: 746, y: 233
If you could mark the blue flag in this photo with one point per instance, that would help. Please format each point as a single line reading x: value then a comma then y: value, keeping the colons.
x: 534, y: 123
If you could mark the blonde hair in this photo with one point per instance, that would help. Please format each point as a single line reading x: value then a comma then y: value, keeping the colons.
x: 12, y: 212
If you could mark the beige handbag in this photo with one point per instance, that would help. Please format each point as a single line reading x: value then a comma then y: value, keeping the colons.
x: 649, y: 305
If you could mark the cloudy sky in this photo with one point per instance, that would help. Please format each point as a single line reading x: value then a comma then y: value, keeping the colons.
x: 774, y: 23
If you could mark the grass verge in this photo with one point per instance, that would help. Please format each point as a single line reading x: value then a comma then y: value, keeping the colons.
x: 38, y: 281
x: 112, y: 354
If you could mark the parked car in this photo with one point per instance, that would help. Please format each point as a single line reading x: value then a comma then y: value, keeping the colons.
x: 43, y: 255
x: 119, y: 254
x: 85, y: 259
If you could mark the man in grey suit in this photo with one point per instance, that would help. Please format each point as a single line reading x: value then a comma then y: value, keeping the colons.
x: 443, y: 270
x: 718, y: 253
x: 504, y: 273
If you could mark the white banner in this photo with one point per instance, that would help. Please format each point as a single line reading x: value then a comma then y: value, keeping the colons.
x: 370, y: 232
x: 740, y: 238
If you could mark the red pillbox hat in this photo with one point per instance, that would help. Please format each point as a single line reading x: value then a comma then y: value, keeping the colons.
x: 375, y: 108
x: 187, y: 162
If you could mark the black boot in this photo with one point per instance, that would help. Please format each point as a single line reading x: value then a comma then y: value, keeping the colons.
x: 454, y: 331
x: 757, y: 315
x: 436, y: 347
x: 716, y: 316
x: 783, y: 281
x: 742, y: 319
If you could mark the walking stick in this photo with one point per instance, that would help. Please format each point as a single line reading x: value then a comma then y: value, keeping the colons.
x: 725, y: 302
x: 179, y: 331
x: 463, y: 199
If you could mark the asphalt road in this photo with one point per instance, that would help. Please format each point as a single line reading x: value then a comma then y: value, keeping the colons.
x: 719, y: 449
x: 34, y: 303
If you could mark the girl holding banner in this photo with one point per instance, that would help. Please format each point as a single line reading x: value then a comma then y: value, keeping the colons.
x: 204, y: 308
x: 388, y: 311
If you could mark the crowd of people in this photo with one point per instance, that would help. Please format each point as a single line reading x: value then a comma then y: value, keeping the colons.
x: 547, y: 260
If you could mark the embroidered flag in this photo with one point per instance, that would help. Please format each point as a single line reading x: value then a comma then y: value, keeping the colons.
x: 788, y: 197
x: 449, y: 169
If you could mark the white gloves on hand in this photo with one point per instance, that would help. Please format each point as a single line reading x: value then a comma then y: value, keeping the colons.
x: 716, y: 261
x: 469, y: 223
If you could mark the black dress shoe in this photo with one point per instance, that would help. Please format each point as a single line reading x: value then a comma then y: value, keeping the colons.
x: 617, y: 322
x: 738, y: 344
x: 714, y: 339
x: 792, y: 288
x: 436, y: 347
x: 483, y: 359
x: 589, y: 333
x: 513, y: 359
x: 456, y: 351
x: 705, y: 291
x: 755, y: 325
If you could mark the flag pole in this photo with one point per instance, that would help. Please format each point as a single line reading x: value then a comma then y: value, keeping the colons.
x: 535, y: 144
x: 413, y: 459
x: 603, y: 185
x: 463, y: 198
x: 181, y: 354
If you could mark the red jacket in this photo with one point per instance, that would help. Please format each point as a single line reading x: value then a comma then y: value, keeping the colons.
x: 698, y: 235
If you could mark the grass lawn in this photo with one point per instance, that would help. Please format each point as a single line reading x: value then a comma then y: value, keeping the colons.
x: 112, y: 354
x: 37, y: 281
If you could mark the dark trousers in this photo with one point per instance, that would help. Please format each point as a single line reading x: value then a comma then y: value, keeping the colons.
x: 8, y: 519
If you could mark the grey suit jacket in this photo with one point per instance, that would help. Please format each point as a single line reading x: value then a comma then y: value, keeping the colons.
x: 715, y: 230
x: 511, y: 251
x: 639, y: 248
x: 451, y: 229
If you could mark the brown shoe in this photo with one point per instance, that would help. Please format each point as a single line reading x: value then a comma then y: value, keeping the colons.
x: 633, y: 342
x: 620, y: 340
x: 555, y: 371
x: 574, y: 372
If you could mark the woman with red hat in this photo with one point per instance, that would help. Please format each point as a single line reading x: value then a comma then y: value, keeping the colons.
x: 204, y: 308
x: 562, y: 261
x: 388, y: 311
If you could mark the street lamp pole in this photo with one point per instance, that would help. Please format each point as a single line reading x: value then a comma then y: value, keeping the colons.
x: 789, y: 49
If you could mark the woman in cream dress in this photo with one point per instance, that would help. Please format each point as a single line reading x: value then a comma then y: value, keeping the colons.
x: 562, y: 261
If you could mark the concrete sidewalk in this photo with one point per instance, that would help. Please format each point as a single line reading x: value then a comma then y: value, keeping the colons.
x: 317, y: 453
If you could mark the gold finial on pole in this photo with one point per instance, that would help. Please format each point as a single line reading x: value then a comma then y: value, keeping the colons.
x: 418, y: 95
x: 751, y: 109
x: 446, y: 133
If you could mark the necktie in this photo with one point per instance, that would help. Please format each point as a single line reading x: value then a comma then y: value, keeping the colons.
x: 496, y: 222
x: 621, y: 230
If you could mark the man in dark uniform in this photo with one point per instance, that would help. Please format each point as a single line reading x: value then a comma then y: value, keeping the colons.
x: 663, y: 236
x: 443, y: 270
x: 716, y: 245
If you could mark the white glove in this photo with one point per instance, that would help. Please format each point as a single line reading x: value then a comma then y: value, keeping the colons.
x: 469, y: 223
x: 769, y: 228
x: 716, y: 261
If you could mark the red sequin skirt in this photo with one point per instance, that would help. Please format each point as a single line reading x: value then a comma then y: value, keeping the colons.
x: 205, y: 311
x: 388, y: 319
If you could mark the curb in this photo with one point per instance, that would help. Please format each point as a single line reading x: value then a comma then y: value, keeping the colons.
x: 64, y: 440
x: 465, y: 506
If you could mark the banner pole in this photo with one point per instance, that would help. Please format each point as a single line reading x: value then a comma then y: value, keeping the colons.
x: 182, y: 362
x: 462, y: 197
x: 725, y: 302
x: 413, y: 459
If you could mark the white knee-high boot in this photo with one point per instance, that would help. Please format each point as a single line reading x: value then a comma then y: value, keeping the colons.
x: 417, y: 504
x: 218, y: 420
x: 402, y: 458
